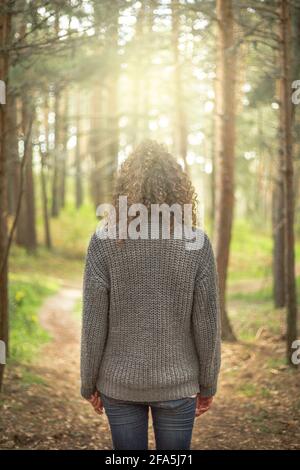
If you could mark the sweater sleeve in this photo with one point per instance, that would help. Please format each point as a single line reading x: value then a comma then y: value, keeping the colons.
x: 94, y: 317
x: 206, y: 323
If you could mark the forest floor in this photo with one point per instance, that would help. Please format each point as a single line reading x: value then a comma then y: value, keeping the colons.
x: 257, y: 405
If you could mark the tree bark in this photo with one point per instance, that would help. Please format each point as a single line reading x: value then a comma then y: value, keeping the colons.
x: 225, y: 147
x: 44, y: 157
x: 97, y: 146
x: 78, y: 171
x: 113, y: 109
x: 64, y: 155
x: 55, y: 174
x: 5, y: 25
x: 287, y: 174
x: 138, y: 75
x: 180, y: 131
x: 12, y: 153
x: 26, y: 228
x: 295, y: 109
x: 278, y: 242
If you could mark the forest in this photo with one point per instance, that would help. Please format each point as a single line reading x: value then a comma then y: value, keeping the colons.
x: 82, y: 82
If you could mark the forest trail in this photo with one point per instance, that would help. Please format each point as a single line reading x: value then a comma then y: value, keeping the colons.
x: 47, y: 412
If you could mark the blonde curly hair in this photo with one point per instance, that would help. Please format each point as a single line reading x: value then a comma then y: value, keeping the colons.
x: 151, y: 175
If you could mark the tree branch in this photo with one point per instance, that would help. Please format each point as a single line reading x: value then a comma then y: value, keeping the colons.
x: 21, y: 190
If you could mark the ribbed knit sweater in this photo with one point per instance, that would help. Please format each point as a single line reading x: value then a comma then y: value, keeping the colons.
x: 151, y: 322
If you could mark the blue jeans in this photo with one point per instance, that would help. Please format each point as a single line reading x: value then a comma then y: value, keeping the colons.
x: 173, y: 422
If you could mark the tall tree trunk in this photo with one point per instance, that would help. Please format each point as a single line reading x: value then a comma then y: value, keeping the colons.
x: 30, y: 198
x: 12, y: 153
x: 180, y: 131
x: 288, y: 174
x: 278, y: 216
x: 12, y: 149
x: 21, y: 229
x: 5, y: 24
x: 295, y: 110
x: 47, y: 233
x: 225, y: 148
x: 78, y: 171
x: 44, y: 157
x: 138, y: 74
x: 64, y: 155
x: 26, y: 228
x: 97, y: 147
x: 278, y: 242
x: 113, y: 109
x: 55, y: 172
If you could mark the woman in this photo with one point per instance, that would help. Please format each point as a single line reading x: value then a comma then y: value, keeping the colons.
x: 150, y: 330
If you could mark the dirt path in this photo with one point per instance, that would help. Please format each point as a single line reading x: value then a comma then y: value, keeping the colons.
x: 258, y: 404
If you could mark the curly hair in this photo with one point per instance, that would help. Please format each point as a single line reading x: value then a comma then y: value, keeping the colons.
x: 151, y: 175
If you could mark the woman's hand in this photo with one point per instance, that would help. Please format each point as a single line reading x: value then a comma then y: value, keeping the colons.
x: 96, y: 403
x: 203, y: 404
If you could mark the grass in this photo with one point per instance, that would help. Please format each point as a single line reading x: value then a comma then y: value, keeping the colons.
x: 78, y: 309
x: 248, y: 390
x: 71, y: 230
x: 250, y: 311
x: 251, y: 390
x: 275, y: 363
x: 259, y: 295
x: 54, y: 266
x: 251, y: 252
x: 29, y: 378
x: 248, y: 319
x: 250, y: 295
x: 26, y: 294
x: 70, y: 234
x: 265, y: 393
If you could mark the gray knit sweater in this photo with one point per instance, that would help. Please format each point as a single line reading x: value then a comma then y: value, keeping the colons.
x: 151, y: 326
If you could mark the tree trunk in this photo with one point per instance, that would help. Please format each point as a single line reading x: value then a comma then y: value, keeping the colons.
x: 278, y: 215
x: 278, y: 223
x: 78, y: 171
x: 47, y: 233
x: 180, y: 131
x: 97, y: 147
x: 26, y: 228
x: 5, y: 24
x: 113, y: 110
x: 30, y: 190
x: 295, y: 109
x: 287, y: 174
x: 12, y: 153
x: 225, y: 147
x: 278, y: 244
x: 44, y: 157
x: 138, y: 75
x: 55, y: 176
x: 55, y: 173
x: 64, y: 155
